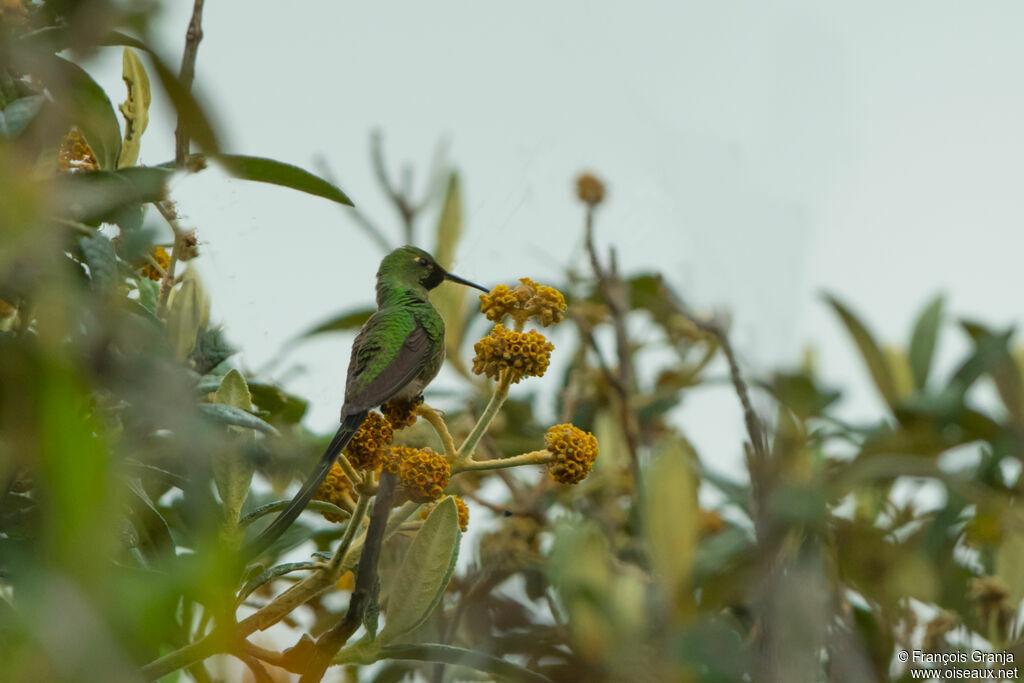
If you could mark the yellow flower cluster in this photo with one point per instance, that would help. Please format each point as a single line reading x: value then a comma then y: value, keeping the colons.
x: 574, y: 450
x: 367, y: 448
x: 589, y: 189
x: 400, y: 412
x: 528, y: 300
x: 423, y: 473
x: 162, y: 258
x: 75, y: 153
x: 526, y: 354
x: 335, y: 490
x: 459, y: 504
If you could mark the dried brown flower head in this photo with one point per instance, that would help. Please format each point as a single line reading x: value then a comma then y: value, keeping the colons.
x: 589, y: 189
x: 400, y: 412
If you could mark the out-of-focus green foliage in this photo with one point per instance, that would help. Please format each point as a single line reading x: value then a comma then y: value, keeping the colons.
x: 129, y: 440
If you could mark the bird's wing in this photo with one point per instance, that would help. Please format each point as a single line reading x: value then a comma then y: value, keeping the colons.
x: 379, y: 370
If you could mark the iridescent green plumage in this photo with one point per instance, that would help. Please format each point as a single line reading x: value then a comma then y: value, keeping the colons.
x: 396, y: 354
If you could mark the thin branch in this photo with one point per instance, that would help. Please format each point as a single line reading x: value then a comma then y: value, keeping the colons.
x: 187, y: 76
x: 624, y: 378
x: 365, y: 590
x: 541, y: 457
x: 167, y: 281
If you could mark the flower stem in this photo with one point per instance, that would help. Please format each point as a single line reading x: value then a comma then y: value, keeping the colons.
x: 437, y: 422
x: 465, y: 453
x: 531, y: 458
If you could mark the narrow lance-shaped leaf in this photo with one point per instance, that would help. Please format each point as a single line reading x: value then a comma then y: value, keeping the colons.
x: 274, y: 172
x: 231, y: 415
x: 922, y: 341
x: 450, y: 298
x: 1000, y: 365
x: 670, y: 521
x: 135, y: 109
x: 232, y: 471
x: 869, y: 350
x: 349, y: 320
x: 424, y: 574
x: 189, y: 312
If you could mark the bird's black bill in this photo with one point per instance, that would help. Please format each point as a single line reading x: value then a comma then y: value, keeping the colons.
x: 456, y: 278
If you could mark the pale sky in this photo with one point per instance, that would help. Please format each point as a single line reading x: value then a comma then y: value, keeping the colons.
x: 757, y: 153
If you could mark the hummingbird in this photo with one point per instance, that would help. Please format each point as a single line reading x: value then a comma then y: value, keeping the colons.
x: 396, y: 354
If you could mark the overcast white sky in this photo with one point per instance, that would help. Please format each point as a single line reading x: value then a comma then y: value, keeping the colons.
x: 758, y: 153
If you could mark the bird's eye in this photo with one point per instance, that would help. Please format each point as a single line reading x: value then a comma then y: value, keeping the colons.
x: 420, y: 260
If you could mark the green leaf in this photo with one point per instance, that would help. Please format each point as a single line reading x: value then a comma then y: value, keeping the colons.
x: 233, y: 391
x: 232, y: 471
x: 95, y: 196
x: 450, y: 298
x: 149, y: 523
x: 99, y: 255
x: 230, y: 415
x: 59, y: 38
x: 279, y: 173
x: 1001, y: 366
x: 922, y: 341
x: 86, y: 105
x: 869, y: 350
x: 420, y: 582
x: 135, y: 109
x: 1010, y: 557
x: 449, y: 226
x: 349, y: 320
x: 671, y: 518
x: 18, y: 114
x: 269, y: 575
x: 149, y: 293
x: 277, y: 403
x: 211, y: 350
x: 446, y: 654
x: 188, y: 312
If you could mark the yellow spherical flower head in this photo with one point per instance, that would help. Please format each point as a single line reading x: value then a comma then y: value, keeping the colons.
x: 162, y: 258
x: 574, y: 452
x: 335, y: 490
x: 400, y: 412
x: 528, y: 300
x: 589, y: 189
x: 369, y: 445
x: 423, y: 473
x: 460, y: 505
x: 525, y: 354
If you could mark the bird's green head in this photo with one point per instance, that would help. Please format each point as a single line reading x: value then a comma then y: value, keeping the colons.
x: 410, y: 268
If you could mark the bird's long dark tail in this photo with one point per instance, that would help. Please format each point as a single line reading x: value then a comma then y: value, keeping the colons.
x: 298, y: 503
